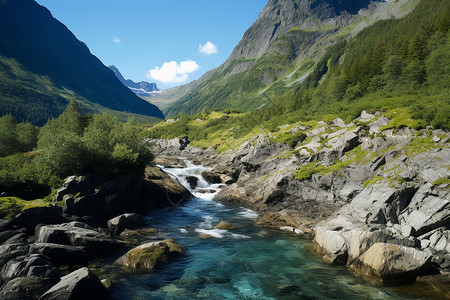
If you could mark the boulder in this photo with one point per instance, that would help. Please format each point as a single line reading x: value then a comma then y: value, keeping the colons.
x: 332, y: 243
x: 161, y: 190
x: 19, y: 238
x: 25, y: 288
x: 11, y: 251
x: 148, y: 256
x: 225, y: 226
x: 125, y: 221
x: 62, y: 254
x: 169, y: 162
x: 31, y: 217
x: 426, y: 211
x: 7, y: 234
x: 193, y: 181
x: 77, y: 234
x: 81, y: 284
x: 392, y: 263
x: 75, y: 184
x: 25, y: 266
x: 105, y: 198
x: 211, y: 177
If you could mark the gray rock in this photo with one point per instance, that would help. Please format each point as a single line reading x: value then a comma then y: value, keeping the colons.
x: 193, y: 181
x: 25, y: 288
x: 11, y: 251
x: 77, y: 234
x: 73, y: 185
x: 25, y: 266
x: 19, y: 238
x: 62, y: 254
x: 211, y: 177
x: 81, y: 284
x: 332, y: 243
x: 31, y: 217
x: 392, y: 263
x: 426, y: 212
x: 125, y: 221
x: 7, y: 234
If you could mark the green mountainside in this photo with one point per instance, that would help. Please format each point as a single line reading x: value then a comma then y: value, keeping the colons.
x: 400, y: 66
x: 279, y: 51
x: 43, y: 65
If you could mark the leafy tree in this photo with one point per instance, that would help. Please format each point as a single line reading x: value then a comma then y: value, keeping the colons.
x: 8, y: 136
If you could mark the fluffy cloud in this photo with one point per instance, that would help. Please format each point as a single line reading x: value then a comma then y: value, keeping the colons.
x: 115, y: 39
x: 208, y: 48
x: 173, y: 72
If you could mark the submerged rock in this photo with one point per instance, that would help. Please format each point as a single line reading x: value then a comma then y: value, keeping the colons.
x: 148, y: 256
x: 225, y: 226
x: 392, y: 263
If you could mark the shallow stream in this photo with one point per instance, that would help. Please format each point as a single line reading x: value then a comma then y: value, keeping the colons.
x: 248, y: 262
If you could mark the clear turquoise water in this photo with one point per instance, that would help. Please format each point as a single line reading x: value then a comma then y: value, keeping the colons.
x: 249, y: 262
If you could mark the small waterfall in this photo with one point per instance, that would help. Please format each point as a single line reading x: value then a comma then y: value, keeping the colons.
x: 192, y: 179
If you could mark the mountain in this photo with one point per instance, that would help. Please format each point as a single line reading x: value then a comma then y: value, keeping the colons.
x: 280, y: 50
x: 143, y: 88
x: 43, y: 65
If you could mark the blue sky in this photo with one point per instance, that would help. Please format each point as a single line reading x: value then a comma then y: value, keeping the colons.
x: 164, y: 41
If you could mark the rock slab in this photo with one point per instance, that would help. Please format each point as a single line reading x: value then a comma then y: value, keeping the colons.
x: 81, y: 284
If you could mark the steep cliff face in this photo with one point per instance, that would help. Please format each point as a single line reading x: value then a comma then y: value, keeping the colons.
x: 280, y: 48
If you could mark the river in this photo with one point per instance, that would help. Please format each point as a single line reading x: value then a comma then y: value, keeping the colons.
x: 248, y: 262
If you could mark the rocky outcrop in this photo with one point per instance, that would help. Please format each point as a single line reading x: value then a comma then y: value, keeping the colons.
x: 149, y: 256
x: 101, y: 199
x: 79, y: 285
x: 77, y: 234
x: 392, y: 263
x: 348, y: 186
x: 161, y: 190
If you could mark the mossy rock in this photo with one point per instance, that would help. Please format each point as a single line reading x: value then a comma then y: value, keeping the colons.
x: 149, y: 256
x: 225, y: 226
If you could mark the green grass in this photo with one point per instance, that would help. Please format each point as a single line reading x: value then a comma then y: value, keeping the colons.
x: 307, y: 170
x: 11, y: 206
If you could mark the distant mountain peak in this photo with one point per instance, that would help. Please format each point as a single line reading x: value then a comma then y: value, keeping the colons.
x: 142, y: 88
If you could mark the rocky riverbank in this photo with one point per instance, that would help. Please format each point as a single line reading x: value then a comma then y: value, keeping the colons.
x: 45, y: 251
x: 373, y: 197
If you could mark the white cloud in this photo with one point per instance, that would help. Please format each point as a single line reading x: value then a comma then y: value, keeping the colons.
x: 173, y: 72
x: 115, y: 39
x: 208, y: 48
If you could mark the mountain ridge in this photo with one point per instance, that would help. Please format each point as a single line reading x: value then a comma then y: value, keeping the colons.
x: 142, y: 88
x: 44, y: 61
x: 283, y: 44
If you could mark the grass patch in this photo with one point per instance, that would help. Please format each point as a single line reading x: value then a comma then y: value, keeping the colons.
x: 441, y: 181
x: 11, y: 206
x: 306, y: 171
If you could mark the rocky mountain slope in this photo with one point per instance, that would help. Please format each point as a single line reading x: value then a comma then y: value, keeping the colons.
x: 143, y: 88
x: 43, y: 65
x: 361, y: 189
x: 280, y: 50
